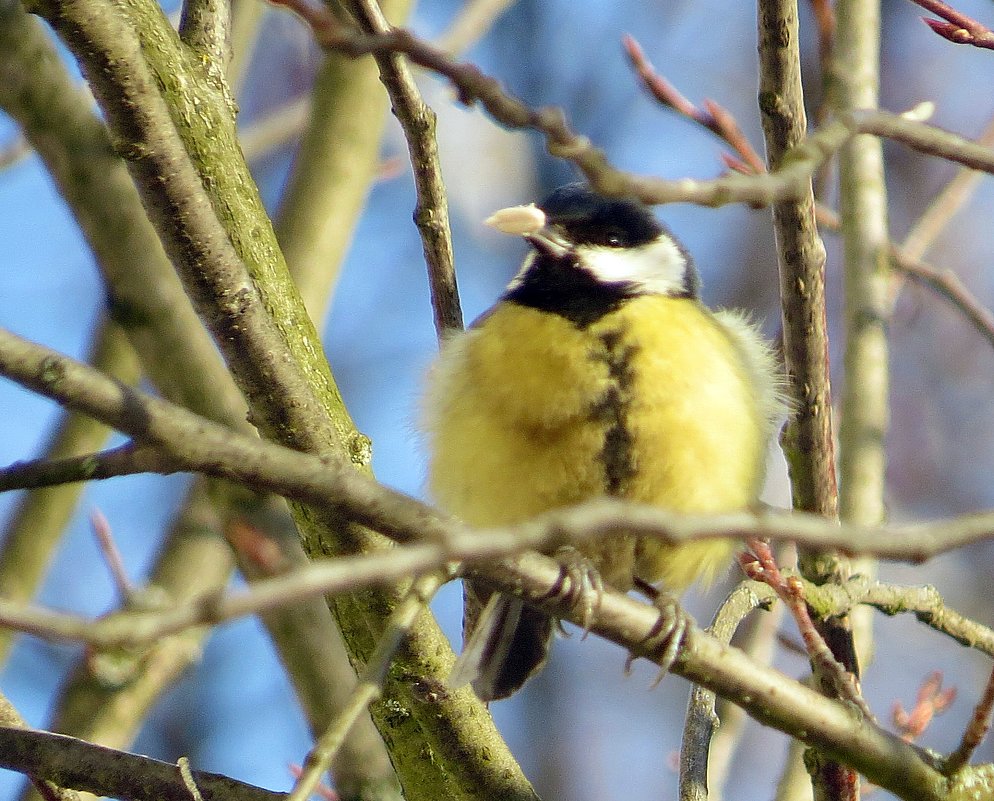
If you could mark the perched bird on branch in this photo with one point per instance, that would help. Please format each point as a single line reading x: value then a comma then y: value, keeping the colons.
x: 598, y: 372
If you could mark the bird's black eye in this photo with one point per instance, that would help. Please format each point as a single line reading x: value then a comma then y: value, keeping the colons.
x: 615, y: 238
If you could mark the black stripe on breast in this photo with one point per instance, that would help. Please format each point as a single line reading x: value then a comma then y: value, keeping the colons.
x: 618, y: 453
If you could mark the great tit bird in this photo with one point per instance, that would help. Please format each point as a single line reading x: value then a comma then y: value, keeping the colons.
x: 598, y: 372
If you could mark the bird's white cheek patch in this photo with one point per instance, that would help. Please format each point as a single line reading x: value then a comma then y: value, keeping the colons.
x: 657, y: 268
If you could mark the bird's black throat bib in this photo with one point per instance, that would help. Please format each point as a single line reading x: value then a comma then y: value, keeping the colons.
x: 562, y: 286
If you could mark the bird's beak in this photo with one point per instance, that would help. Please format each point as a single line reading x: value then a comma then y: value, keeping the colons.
x: 517, y: 220
x: 548, y: 243
x: 529, y: 222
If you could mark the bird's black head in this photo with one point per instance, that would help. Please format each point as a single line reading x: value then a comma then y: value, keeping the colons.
x: 594, y: 253
x: 586, y: 218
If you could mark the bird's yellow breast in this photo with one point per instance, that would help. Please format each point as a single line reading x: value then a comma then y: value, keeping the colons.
x: 653, y: 402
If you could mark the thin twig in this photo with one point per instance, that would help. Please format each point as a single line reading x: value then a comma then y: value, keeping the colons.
x: 714, y: 117
x: 431, y: 214
x: 944, y: 282
x: 368, y: 689
x: 471, y: 24
x: 946, y: 204
x: 800, y: 158
x: 701, y: 719
x: 310, y: 644
x: 39, y: 519
x: 763, y: 567
x: 949, y: 287
x: 112, y: 554
x: 905, y: 257
x: 958, y: 27
x: 125, y: 460
x: 758, y: 637
x: 976, y: 730
x: 261, y: 137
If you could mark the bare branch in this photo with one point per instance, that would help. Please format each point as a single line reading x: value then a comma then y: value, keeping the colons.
x: 945, y: 282
x: 788, y: 181
x: 949, y: 287
x: 311, y: 647
x: 369, y: 687
x: 714, y: 117
x: 37, y: 524
x: 69, y: 762
x: 125, y: 460
x: 945, y: 205
x: 112, y: 554
x: 976, y: 730
x: 809, y: 444
x: 702, y: 719
x: 194, y: 444
x: 472, y: 22
x: 431, y: 214
x: 767, y: 694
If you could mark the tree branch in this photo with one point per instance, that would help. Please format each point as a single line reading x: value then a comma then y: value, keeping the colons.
x: 37, y: 523
x: 809, y: 445
x: 431, y: 214
x: 337, y: 162
x: 197, y: 445
x: 765, y: 693
x: 183, y: 154
x: 702, y: 719
x: 958, y: 27
x: 69, y: 762
x: 789, y: 181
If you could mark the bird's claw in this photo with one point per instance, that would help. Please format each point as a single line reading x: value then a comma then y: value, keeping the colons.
x: 579, y: 585
x: 664, y: 641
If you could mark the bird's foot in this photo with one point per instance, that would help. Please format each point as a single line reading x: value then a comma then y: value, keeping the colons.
x: 668, y: 632
x: 579, y: 584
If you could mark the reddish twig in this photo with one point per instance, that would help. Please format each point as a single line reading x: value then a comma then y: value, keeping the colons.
x: 715, y: 117
x: 762, y: 566
x: 322, y: 791
x: 975, y: 732
x: 111, y: 553
x: 259, y: 550
x: 948, y: 285
x: 945, y: 283
x: 956, y: 26
x: 824, y: 14
x: 931, y: 700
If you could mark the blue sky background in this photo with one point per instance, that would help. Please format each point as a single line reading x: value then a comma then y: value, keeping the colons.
x: 582, y: 729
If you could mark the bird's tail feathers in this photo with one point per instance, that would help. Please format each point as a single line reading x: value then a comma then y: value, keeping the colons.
x: 509, y: 642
